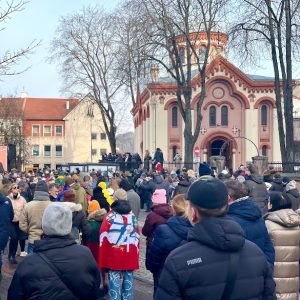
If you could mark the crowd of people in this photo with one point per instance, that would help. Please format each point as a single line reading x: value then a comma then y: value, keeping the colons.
x: 208, y: 235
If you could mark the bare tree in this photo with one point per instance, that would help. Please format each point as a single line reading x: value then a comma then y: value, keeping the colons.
x: 172, y: 23
x: 86, y: 51
x: 130, y: 35
x: 11, y: 122
x: 273, y: 26
x: 10, y: 59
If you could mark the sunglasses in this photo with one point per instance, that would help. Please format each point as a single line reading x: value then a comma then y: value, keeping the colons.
x: 14, y: 188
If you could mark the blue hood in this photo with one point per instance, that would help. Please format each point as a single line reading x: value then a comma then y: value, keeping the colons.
x: 3, y: 199
x: 245, y: 209
x: 221, y: 233
x: 180, y: 226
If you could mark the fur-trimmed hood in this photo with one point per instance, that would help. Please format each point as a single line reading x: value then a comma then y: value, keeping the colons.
x: 97, y: 215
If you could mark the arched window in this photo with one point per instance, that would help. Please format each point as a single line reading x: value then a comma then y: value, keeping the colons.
x: 202, y: 52
x: 174, y: 117
x: 212, y: 116
x: 224, y: 115
x: 264, y: 151
x: 264, y: 115
x: 182, y: 55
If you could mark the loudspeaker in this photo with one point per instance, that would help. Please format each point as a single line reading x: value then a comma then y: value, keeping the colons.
x: 11, y: 155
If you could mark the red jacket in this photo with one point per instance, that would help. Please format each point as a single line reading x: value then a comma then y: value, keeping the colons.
x: 119, y: 239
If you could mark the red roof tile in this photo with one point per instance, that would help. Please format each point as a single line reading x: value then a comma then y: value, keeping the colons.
x: 46, y: 108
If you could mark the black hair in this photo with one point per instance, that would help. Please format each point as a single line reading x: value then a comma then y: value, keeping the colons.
x: 279, y: 202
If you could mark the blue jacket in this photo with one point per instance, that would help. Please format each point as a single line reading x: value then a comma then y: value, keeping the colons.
x: 166, y: 238
x: 247, y: 213
x: 6, y: 216
x: 199, y: 268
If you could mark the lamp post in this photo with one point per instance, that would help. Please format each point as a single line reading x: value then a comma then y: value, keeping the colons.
x: 236, y: 130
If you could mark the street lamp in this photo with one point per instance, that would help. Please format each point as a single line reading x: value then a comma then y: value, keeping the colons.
x: 236, y: 130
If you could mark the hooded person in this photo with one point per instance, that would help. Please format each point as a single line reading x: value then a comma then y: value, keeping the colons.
x: 31, y: 218
x: 119, y: 247
x: 257, y: 189
x: 95, y: 218
x: 158, y: 183
x: 80, y: 227
x: 160, y: 212
x: 277, y: 184
x: 247, y: 213
x: 205, y: 171
x: 55, y: 260
x: 291, y: 192
x: 216, y: 246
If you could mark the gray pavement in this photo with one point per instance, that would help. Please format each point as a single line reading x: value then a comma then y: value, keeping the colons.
x: 143, y: 285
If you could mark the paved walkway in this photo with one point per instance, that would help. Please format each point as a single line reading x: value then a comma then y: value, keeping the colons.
x: 143, y: 284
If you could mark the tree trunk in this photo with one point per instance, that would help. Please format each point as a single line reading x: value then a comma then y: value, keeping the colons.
x: 288, y: 101
x: 188, y: 140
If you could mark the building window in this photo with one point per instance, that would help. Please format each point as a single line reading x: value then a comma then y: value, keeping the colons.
x: 264, y: 115
x: 47, y: 129
x: 174, y: 116
x: 58, y: 129
x: 94, y: 152
x: 35, y: 129
x: 94, y: 136
x: 174, y: 151
x: 58, y: 150
x: 47, y: 150
x: 264, y: 151
x: 212, y: 116
x: 35, y: 150
x: 224, y: 116
x: 202, y: 52
x: 102, y: 151
x: 102, y: 136
x: 47, y: 166
x: 182, y: 55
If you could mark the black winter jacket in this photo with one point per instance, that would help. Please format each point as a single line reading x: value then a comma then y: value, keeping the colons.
x: 34, y: 279
x: 257, y: 190
x: 182, y: 187
x: 198, y: 269
x: 166, y: 238
x: 277, y: 185
x: 158, y: 182
x: 6, y: 217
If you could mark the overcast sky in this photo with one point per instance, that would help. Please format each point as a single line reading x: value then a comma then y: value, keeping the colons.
x: 38, y: 21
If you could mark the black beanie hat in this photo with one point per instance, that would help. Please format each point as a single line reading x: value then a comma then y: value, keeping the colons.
x: 41, y: 186
x: 209, y: 194
x: 204, y: 169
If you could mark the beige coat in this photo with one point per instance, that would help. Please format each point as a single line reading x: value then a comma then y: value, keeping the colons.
x: 284, y: 231
x: 18, y: 206
x: 31, y: 219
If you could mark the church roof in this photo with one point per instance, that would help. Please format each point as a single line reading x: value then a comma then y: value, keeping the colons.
x: 260, y: 78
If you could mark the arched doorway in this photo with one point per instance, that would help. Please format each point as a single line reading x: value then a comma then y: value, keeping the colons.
x: 221, y: 147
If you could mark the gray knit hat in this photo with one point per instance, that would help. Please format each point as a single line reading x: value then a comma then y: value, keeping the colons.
x: 57, y: 219
x: 41, y: 186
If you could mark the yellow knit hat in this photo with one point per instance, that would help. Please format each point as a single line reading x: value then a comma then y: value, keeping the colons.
x: 102, y: 184
x: 93, y: 206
